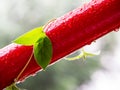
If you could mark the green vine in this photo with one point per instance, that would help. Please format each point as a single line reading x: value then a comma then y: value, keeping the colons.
x: 83, y: 55
x: 42, y: 47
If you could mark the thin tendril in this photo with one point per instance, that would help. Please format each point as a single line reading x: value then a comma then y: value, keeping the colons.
x: 49, y: 22
x: 16, y: 79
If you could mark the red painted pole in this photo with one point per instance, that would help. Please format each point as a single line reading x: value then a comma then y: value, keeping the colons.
x: 67, y: 34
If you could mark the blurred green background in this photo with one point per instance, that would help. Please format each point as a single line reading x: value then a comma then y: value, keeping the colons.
x: 18, y: 17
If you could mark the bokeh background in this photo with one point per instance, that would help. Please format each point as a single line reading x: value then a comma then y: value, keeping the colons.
x: 100, y: 72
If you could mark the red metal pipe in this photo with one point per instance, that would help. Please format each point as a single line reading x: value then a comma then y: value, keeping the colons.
x: 67, y: 34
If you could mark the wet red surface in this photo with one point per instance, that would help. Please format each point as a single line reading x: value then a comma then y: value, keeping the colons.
x: 67, y: 33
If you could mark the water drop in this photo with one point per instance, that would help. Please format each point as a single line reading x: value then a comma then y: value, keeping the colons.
x: 89, y: 43
x: 116, y: 30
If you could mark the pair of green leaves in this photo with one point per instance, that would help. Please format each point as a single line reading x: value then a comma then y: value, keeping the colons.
x: 42, y: 47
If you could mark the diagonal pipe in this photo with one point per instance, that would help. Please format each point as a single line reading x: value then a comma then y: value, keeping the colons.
x: 67, y: 33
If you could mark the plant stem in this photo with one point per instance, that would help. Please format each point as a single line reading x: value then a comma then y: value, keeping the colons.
x: 26, y: 65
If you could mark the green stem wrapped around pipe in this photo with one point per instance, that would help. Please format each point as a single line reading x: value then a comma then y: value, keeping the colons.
x: 68, y: 33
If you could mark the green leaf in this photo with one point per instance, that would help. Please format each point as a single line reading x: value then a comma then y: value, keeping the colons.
x: 31, y: 37
x: 43, y: 51
x: 12, y: 87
